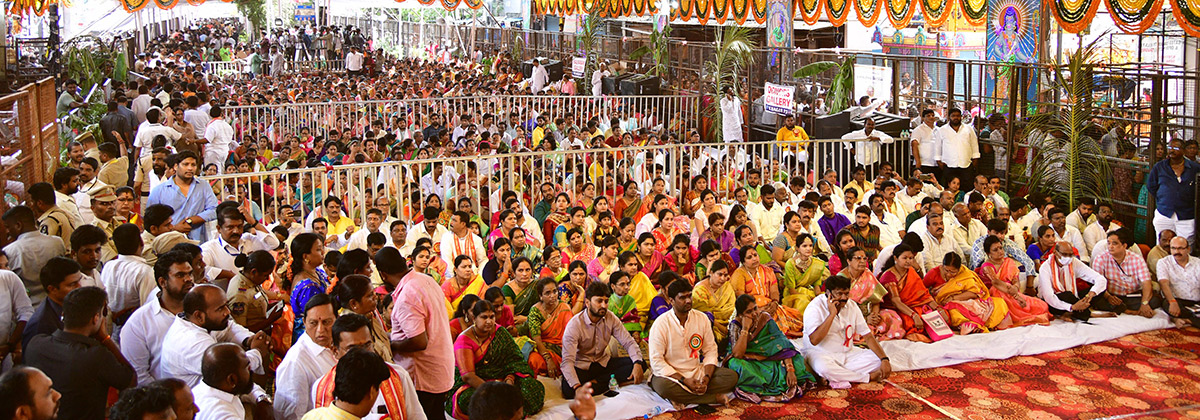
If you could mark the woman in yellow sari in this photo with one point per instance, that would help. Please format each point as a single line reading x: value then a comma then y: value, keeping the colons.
x: 640, y: 288
x: 465, y: 282
x: 803, y: 274
x: 756, y: 279
x: 716, y: 296
x: 545, y: 326
x: 966, y: 299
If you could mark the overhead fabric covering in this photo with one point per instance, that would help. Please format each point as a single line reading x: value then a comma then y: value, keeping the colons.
x: 38, y: 7
x: 1074, y: 16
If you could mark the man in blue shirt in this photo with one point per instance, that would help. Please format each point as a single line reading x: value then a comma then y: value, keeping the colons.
x: 193, y: 201
x: 1172, y: 183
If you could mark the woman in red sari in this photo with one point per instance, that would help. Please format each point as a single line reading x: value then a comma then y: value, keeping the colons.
x: 682, y: 259
x: 907, y: 294
x: 562, y: 203
x: 653, y: 262
x: 664, y: 231
x: 1003, y: 276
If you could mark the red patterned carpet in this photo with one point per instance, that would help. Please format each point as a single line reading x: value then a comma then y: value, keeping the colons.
x: 1151, y: 375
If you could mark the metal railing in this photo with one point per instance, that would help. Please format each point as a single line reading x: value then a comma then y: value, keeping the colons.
x: 241, y: 66
x: 674, y: 114
x: 409, y: 184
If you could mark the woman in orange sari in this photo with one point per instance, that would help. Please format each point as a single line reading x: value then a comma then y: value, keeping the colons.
x: 755, y: 279
x: 907, y: 294
x: 1004, y: 277
x: 545, y: 326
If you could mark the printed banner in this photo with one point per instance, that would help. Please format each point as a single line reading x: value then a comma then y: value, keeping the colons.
x: 778, y: 99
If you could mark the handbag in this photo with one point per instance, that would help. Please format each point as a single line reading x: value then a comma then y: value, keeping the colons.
x: 936, y: 326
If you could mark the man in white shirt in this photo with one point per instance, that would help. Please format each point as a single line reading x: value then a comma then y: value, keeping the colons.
x: 140, y: 105
x: 196, y: 116
x: 428, y: 228
x: 683, y: 354
x: 909, y: 198
x: 769, y: 216
x: 226, y: 370
x: 958, y: 148
x: 924, y: 147
x: 731, y: 115
x: 287, y: 219
x: 128, y: 279
x: 1097, y: 232
x: 233, y: 239
x: 358, y: 240
x: 306, y: 361
x: 831, y: 326
x: 936, y: 243
x: 141, y: 338
x: 204, y: 322
x: 217, y: 139
x: 1083, y: 214
x: 153, y: 127
x: 1057, y: 286
x: 966, y: 229
x: 15, y: 310
x: 438, y: 181
x: 461, y: 241
x: 1179, y: 277
x: 30, y: 250
x: 352, y: 333
x: 354, y: 62
x: 865, y: 148
x: 1068, y: 233
x: 538, y: 77
x: 891, y: 228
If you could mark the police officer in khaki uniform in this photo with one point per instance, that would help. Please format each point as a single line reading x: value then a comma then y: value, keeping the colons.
x: 104, y: 198
x: 249, y: 302
x: 53, y: 220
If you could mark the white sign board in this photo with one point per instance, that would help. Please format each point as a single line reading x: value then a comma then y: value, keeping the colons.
x: 873, y: 81
x: 578, y: 64
x: 778, y: 99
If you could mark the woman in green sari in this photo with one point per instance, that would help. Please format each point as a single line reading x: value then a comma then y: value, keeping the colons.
x: 769, y: 367
x: 803, y: 274
x: 623, y: 305
x: 518, y: 291
x: 485, y: 353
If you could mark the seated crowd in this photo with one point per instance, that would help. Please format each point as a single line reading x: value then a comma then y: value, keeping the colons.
x: 761, y: 284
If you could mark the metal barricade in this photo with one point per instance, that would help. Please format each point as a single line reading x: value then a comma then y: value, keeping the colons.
x: 674, y: 114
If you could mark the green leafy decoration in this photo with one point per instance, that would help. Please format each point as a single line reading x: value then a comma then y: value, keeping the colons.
x: 659, y: 48
x: 1068, y: 160
x: 734, y: 54
x: 255, y: 11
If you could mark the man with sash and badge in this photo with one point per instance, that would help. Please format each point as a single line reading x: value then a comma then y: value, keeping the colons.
x: 397, y: 398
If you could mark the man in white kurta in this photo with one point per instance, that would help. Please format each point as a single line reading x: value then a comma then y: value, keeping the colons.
x: 683, y: 354
x: 829, y: 340
x: 731, y: 116
x: 184, y: 344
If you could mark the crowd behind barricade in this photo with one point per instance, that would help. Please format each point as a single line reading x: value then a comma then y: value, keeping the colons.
x: 760, y: 284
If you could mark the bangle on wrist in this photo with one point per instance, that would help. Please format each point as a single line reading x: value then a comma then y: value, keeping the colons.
x: 885, y: 359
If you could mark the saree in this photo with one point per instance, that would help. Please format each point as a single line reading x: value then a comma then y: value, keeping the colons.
x: 1022, y: 309
x: 598, y: 271
x: 551, y: 328
x: 764, y: 256
x: 553, y: 221
x: 628, y: 208
x: 625, y: 308
x: 521, y: 301
x: 586, y: 254
x: 801, y: 284
x: 500, y: 357
x: 642, y: 292
x: 631, y: 246
x: 866, y: 291
x: 437, y: 270
x: 454, y: 297
x: 766, y: 380
x: 912, y: 292
x: 759, y: 284
x: 983, y: 313
x: 718, y: 302
x: 654, y: 266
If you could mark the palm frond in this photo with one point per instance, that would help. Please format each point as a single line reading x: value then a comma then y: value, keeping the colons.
x: 735, y: 45
x: 1068, y: 161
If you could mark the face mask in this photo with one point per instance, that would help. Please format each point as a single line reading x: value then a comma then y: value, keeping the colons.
x: 1065, y: 260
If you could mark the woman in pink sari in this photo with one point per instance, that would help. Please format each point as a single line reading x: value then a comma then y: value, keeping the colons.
x: 868, y: 293
x: 1003, y: 276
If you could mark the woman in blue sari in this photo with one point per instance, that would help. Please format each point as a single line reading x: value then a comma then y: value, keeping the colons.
x: 769, y: 367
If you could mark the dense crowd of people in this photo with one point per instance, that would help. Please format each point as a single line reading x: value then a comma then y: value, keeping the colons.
x: 193, y: 300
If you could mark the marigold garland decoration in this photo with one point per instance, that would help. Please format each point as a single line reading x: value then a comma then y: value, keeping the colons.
x: 1073, y: 15
x: 868, y: 11
x: 809, y: 10
x: 901, y: 17
x: 836, y: 12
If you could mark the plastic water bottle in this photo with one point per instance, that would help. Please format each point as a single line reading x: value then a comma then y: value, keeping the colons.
x: 653, y: 413
x: 612, y: 383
